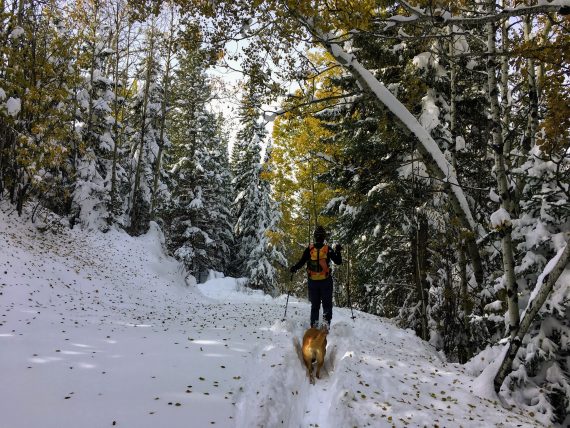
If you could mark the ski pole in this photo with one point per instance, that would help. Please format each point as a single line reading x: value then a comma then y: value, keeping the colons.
x: 288, y: 292
x: 349, y: 302
x: 348, y: 286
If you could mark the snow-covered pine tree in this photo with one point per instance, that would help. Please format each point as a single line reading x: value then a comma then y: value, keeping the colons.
x: 144, y: 141
x: 453, y: 111
x: 210, y: 235
x: 260, y: 266
x: 159, y: 190
x: 91, y: 196
x: 541, y: 368
x: 120, y: 63
x: 246, y: 168
x: 219, y: 198
x: 197, y: 217
x: 189, y: 99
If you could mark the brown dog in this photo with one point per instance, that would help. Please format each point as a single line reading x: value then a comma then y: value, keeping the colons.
x: 314, y: 349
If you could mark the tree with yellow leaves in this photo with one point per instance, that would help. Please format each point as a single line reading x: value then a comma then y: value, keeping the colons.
x: 300, y: 157
x: 36, y: 118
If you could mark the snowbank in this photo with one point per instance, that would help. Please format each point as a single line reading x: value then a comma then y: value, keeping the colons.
x: 101, y: 330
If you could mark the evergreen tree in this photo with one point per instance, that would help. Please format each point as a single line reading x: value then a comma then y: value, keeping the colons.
x: 539, y: 234
x: 91, y: 196
x: 219, y: 192
x: 256, y: 213
x: 198, y: 215
x: 246, y: 158
x: 145, y: 140
x: 121, y: 27
x: 260, y: 265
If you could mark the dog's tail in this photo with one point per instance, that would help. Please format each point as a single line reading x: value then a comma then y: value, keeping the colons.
x: 298, y: 349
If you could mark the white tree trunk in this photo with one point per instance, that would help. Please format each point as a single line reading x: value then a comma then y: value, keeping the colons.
x: 118, y: 108
x: 164, y: 108
x: 93, y: 34
x: 502, y: 182
x: 136, y: 211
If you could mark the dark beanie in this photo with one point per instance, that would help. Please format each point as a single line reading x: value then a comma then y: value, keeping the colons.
x: 320, y: 234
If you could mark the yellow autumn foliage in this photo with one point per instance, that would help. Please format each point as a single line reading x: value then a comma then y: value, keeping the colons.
x: 38, y: 74
x: 299, y: 156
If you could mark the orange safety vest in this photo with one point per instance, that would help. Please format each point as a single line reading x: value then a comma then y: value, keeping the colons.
x: 317, y: 266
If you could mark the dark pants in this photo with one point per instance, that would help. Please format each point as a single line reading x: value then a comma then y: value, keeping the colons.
x: 321, y: 291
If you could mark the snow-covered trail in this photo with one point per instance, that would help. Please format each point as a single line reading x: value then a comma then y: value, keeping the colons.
x: 101, y: 330
x: 377, y: 375
x: 97, y: 330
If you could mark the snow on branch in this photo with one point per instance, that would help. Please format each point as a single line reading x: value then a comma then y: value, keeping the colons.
x: 428, y: 147
x: 444, y: 17
x: 546, y: 280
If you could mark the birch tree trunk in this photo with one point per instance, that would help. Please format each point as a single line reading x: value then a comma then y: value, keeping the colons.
x: 501, y: 175
x: 136, y: 212
x: 118, y: 108
x: 87, y: 136
x: 164, y: 108
x: 529, y: 315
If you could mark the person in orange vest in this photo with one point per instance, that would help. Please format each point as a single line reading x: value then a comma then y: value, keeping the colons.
x: 317, y: 256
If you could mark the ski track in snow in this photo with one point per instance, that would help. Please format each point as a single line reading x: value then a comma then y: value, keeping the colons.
x: 101, y: 330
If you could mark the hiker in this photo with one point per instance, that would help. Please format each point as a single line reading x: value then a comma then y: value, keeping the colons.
x: 318, y: 257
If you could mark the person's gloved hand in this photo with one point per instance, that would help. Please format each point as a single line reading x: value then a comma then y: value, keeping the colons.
x: 338, y: 248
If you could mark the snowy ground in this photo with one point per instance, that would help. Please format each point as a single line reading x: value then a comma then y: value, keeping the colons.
x: 101, y: 330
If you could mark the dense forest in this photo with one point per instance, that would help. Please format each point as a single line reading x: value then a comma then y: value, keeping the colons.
x: 430, y: 138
